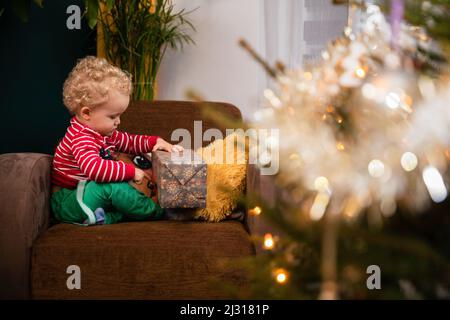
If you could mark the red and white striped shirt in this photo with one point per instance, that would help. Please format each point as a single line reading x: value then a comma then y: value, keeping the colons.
x: 78, y: 155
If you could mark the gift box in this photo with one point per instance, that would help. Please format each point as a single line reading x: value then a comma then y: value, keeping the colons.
x: 180, y: 179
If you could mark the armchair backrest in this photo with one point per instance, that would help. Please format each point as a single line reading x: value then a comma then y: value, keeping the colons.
x: 161, y: 118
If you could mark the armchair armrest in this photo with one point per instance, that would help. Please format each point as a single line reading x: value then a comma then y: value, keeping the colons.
x: 24, y: 214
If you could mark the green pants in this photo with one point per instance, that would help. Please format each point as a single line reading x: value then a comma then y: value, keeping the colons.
x: 119, y: 201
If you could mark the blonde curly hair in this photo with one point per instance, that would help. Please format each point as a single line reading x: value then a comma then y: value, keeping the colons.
x: 90, y: 82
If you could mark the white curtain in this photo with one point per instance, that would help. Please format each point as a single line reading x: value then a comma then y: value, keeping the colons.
x: 296, y: 31
x: 282, y: 26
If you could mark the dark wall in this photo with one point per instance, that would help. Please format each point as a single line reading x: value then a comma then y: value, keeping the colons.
x: 35, y: 59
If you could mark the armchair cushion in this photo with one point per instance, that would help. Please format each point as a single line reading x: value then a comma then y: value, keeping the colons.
x: 144, y: 260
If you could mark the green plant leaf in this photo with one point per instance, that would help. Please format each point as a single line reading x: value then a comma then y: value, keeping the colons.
x: 109, y: 4
x: 92, y: 12
x: 136, y: 39
x: 39, y: 3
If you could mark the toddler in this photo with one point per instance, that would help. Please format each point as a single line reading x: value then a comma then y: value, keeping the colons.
x: 89, y: 186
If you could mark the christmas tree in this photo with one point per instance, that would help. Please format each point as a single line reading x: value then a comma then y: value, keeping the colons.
x: 363, y: 163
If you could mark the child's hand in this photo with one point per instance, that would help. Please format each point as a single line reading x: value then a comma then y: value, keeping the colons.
x: 138, y: 176
x: 161, y: 144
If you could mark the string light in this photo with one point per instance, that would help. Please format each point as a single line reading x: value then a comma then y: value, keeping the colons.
x: 409, y: 161
x: 406, y: 103
x: 434, y: 183
x: 348, y: 31
x: 360, y: 72
x: 321, y: 184
x: 256, y: 211
x: 319, y: 206
x: 268, y: 241
x: 376, y: 168
x: 408, y: 100
x: 281, y: 275
x: 264, y: 158
x: 392, y: 100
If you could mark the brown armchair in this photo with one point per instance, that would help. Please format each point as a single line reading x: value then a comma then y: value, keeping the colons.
x: 143, y: 260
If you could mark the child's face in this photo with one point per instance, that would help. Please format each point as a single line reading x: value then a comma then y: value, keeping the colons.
x: 105, y: 118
